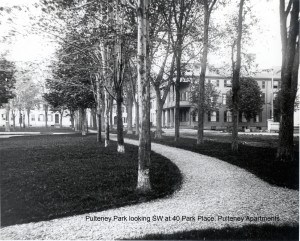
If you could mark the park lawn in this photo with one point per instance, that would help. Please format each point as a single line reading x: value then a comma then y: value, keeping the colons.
x: 248, y: 232
x: 48, y: 130
x: 46, y: 177
x: 257, y: 160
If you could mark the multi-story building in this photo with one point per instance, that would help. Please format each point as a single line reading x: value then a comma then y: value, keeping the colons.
x: 220, y: 119
x: 36, y: 118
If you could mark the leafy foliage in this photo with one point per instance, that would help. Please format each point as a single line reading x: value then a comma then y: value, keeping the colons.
x: 7, y: 81
x: 250, y: 98
x: 211, y: 96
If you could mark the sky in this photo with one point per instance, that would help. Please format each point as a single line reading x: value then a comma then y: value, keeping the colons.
x: 38, y: 49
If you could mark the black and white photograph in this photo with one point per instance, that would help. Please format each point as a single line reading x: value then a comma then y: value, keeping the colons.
x: 149, y: 119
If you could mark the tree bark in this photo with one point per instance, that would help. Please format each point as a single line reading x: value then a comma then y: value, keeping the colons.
x: 144, y: 158
x: 106, y: 118
x: 72, y: 119
x: 177, y: 91
x: 94, y: 118
x: 201, y: 99
x: 61, y: 116
x: 7, y: 120
x: 28, y: 117
x: 120, y: 137
x: 46, y: 115
x: 23, y: 119
x: 236, y: 80
x: 13, y: 113
x: 99, y: 110
x: 137, y: 118
x: 111, y: 103
x: 289, y: 78
x: 159, y: 107
x: 129, y: 113
x: 83, y: 121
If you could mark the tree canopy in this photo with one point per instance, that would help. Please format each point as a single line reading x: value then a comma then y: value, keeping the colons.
x: 7, y: 81
x: 250, y: 98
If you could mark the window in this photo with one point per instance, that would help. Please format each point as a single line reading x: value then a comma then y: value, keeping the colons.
x: 224, y: 99
x: 225, y: 83
x: 187, y: 95
x: 263, y: 85
x: 213, y: 116
x: 3, y: 117
x: 218, y: 83
x: 227, y: 116
x: 123, y: 109
x: 209, y: 81
x: 275, y: 84
x: 41, y: 117
x: 32, y: 117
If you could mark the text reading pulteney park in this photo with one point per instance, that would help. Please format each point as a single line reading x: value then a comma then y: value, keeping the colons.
x: 161, y: 218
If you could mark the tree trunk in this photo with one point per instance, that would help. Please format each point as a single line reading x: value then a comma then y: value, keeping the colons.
x: 83, y: 121
x: 159, y: 107
x: 137, y: 118
x: 120, y: 137
x: 106, y: 118
x: 129, y: 113
x: 177, y: 92
x: 28, y: 117
x: 14, y: 118
x: 46, y: 115
x: 61, y: 116
x: 7, y: 120
x: 72, y: 119
x: 111, y: 103
x: 201, y: 98
x: 144, y: 153
x: 20, y: 118
x: 94, y: 118
x: 289, y: 78
x: 99, y: 110
x: 236, y: 81
x: 23, y: 121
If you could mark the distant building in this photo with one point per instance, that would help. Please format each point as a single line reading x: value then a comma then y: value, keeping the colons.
x: 36, y: 118
x: 222, y: 118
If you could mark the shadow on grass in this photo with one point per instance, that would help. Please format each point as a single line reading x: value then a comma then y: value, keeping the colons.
x: 257, y: 160
x: 47, y: 177
x: 249, y: 232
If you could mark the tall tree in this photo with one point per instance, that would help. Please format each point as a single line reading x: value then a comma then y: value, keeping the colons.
x: 179, y: 16
x: 236, y: 80
x: 289, y: 76
x: 144, y: 155
x: 208, y: 6
x: 250, y: 98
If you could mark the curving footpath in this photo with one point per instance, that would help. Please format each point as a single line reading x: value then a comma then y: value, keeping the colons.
x: 211, y: 188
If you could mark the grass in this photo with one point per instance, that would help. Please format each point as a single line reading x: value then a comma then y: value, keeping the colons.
x: 49, y: 129
x: 257, y: 160
x: 248, y: 232
x: 46, y: 177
